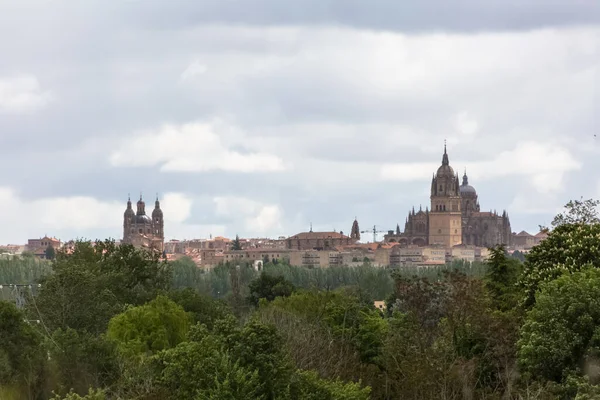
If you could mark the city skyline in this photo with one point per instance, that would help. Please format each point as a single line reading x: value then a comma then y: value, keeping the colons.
x: 261, y: 123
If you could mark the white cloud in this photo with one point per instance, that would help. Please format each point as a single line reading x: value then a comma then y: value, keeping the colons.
x: 22, y: 93
x: 465, y: 125
x: 258, y: 218
x: 88, y: 217
x: 193, y: 147
x: 193, y: 70
x: 176, y: 207
x: 407, y: 172
x: 544, y: 164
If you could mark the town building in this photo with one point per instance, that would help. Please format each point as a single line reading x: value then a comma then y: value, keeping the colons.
x: 34, y: 245
x: 323, y: 240
x: 142, y: 230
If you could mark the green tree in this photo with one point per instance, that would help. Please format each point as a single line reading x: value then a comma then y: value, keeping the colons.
x: 160, y: 324
x: 80, y: 360
x: 50, y: 253
x: 92, y: 394
x: 95, y: 282
x: 204, y: 309
x: 21, y: 351
x: 307, y: 385
x: 567, y: 249
x: 561, y: 334
x: 578, y: 212
x: 268, y: 287
x: 502, y: 278
x: 236, y: 245
x: 205, y: 370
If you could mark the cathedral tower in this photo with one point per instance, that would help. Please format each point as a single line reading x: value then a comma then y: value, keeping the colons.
x: 157, y: 220
x: 445, y: 219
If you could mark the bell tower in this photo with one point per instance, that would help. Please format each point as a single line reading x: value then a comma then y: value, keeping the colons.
x: 445, y: 219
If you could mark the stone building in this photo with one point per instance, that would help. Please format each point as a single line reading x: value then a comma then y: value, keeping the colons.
x: 318, y: 241
x: 455, y: 216
x: 141, y: 230
x: 322, y: 240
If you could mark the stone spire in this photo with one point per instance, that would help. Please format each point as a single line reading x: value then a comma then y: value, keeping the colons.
x: 445, y: 156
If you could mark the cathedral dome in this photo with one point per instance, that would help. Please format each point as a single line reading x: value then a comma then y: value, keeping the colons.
x: 143, y: 219
x: 445, y: 170
x: 465, y: 188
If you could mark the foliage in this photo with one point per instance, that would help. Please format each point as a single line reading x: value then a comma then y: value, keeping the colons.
x: 236, y: 245
x: 567, y: 249
x: 578, y: 212
x: 308, y: 386
x: 469, y: 347
x: 561, y: 334
x: 202, y: 308
x: 21, y: 358
x: 91, y: 395
x: 50, y: 253
x: 502, y: 278
x: 186, y: 274
x: 344, y: 314
x: 23, y: 270
x: 269, y: 287
x: 95, y: 282
x: 81, y: 360
x: 160, y: 324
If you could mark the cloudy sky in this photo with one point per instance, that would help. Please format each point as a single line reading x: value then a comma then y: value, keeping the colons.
x: 260, y: 117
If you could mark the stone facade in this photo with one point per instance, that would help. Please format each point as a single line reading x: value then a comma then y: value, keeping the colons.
x: 141, y: 230
x: 318, y: 241
x: 454, y: 218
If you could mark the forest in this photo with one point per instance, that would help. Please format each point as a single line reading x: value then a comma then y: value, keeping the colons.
x: 114, y: 322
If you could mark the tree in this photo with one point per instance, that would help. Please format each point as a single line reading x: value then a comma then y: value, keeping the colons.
x: 561, y: 334
x: 203, y: 309
x: 309, y: 386
x: 81, y: 360
x: 21, y: 351
x: 93, y: 394
x: 501, y: 279
x: 578, y: 212
x: 95, y: 282
x: 236, y: 245
x: 50, y: 253
x: 567, y: 249
x: 160, y: 324
x: 268, y: 287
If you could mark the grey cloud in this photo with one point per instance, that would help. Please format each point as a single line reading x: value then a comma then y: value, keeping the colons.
x: 115, y: 69
x: 461, y: 15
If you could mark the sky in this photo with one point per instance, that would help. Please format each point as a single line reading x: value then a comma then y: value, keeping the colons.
x: 261, y: 117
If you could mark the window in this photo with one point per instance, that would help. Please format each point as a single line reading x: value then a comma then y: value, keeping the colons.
x: 141, y: 231
x: 439, y: 231
x: 456, y: 231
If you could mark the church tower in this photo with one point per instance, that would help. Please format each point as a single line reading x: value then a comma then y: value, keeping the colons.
x: 445, y: 219
x: 157, y: 220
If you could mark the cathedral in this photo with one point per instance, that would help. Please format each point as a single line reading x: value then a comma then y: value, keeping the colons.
x: 454, y: 218
x: 142, y: 231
